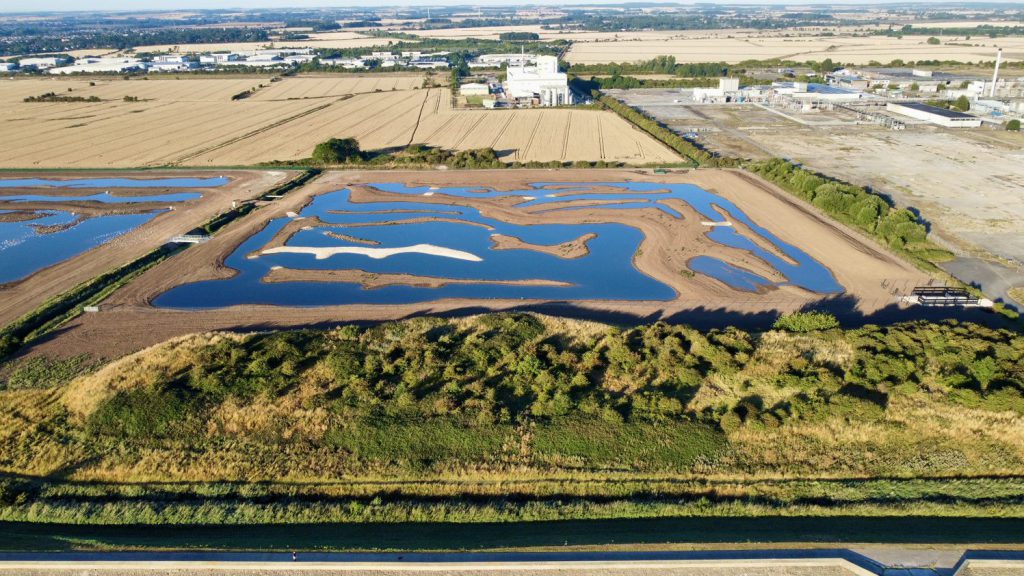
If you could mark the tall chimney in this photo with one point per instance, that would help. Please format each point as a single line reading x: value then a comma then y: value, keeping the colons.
x: 995, y: 74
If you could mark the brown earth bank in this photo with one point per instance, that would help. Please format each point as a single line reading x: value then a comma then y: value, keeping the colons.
x: 869, y: 273
x: 20, y: 297
x: 371, y: 280
x: 19, y: 216
x: 570, y: 250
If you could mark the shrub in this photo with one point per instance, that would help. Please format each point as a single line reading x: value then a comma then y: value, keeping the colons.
x: 1013, y: 125
x: 806, y: 322
x: 337, y: 151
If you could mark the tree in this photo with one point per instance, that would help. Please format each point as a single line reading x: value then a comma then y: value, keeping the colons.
x: 1013, y: 125
x: 933, y: 41
x: 337, y: 151
x: 915, y: 87
x: 963, y: 103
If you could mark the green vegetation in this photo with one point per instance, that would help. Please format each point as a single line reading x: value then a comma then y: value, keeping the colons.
x: 616, y: 81
x: 898, y: 228
x: 934, y: 41
x: 1013, y: 125
x: 806, y: 322
x: 346, y: 152
x: 54, y: 97
x: 518, y: 36
x: 512, y: 417
x: 336, y: 151
x: 963, y: 103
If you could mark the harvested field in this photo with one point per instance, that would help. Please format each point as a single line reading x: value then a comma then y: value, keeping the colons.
x: 328, y: 86
x: 194, y: 122
x: 845, y: 49
x: 19, y: 298
x: 867, y: 273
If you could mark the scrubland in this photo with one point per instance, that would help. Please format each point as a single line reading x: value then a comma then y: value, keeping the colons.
x: 519, y: 417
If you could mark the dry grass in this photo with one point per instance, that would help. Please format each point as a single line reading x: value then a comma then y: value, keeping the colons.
x: 144, y: 367
x: 194, y: 122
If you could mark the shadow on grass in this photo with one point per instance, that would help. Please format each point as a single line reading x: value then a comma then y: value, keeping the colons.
x: 490, y: 536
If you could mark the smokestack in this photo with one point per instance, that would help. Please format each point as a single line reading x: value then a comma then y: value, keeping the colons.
x: 995, y: 74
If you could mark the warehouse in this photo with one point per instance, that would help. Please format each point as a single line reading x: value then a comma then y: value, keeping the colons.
x: 940, y: 116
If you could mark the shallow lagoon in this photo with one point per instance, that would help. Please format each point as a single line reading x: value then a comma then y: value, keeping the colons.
x: 24, y: 251
x: 116, y: 182
x: 606, y: 273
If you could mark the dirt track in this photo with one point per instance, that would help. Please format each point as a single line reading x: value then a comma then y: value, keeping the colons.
x: 128, y: 323
x: 21, y: 297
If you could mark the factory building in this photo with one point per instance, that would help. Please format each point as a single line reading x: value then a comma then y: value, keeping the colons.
x: 93, y: 65
x: 811, y: 91
x: 542, y: 84
x: 42, y: 63
x: 498, y: 60
x: 727, y: 91
x: 940, y: 116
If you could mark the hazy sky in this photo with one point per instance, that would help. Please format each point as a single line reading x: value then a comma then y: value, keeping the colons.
x: 83, y: 5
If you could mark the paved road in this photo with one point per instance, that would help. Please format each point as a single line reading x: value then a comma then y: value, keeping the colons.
x: 883, y: 561
x: 995, y: 280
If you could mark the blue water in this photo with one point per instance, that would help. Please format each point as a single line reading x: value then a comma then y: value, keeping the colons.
x: 117, y: 183
x: 23, y: 251
x: 606, y: 273
x: 104, y: 198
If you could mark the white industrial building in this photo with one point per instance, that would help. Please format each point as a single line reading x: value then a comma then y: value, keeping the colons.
x: 7, y: 66
x: 171, y: 66
x: 498, y: 60
x: 727, y: 89
x: 346, y: 63
x: 542, y: 84
x: 940, y: 116
x: 811, y: 91
x: 474, y: 89
x: 93, y: 65
x: 42, y: 63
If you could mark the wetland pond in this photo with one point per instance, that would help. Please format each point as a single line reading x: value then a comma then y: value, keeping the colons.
x: 407, y: 237
x: 33, y: 239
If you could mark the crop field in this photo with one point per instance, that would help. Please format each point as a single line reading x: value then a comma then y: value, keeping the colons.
x: 195, y: 122
x: 846, y: 49
x: 327, y: 86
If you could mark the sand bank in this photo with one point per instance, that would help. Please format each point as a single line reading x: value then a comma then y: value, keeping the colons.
x: 371, y: 280
x: 570, y: 250
x: 321, y: 253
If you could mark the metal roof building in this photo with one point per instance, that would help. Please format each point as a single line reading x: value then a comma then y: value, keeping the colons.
x: 935, y: 115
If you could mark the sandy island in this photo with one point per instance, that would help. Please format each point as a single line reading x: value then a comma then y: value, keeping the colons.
x: 569, y: 250
x: 371, y: 280
x: 322, y: 253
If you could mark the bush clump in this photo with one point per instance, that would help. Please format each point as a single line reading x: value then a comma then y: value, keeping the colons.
x: 806, y: 322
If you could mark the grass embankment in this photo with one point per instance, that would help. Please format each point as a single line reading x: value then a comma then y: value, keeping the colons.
x: 512, y: 418
x: 63, y: 307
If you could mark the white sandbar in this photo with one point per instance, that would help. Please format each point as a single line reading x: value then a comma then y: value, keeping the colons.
x: 322, y: 253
